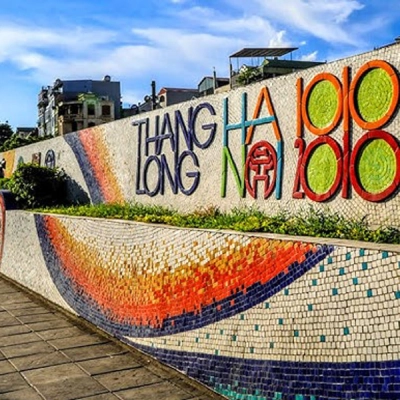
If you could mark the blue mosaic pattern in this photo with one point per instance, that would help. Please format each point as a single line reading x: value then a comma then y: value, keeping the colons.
x: 244, y: 379
x: 86, y: 167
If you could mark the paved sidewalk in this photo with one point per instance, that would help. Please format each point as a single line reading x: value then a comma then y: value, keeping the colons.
x: 46, y: 355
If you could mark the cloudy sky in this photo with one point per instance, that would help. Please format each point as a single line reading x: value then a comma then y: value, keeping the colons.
x: 175, y: 42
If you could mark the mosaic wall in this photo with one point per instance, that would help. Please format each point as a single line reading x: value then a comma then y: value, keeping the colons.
x: 251, y: 316
x: 327, y: 136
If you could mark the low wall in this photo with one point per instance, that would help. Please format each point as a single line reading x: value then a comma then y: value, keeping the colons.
x: 251, y: 316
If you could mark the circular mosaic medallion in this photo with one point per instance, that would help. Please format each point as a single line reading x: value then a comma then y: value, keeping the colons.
x: 376, y: 166
x: 322, y: 104
x: 374, y: 94
x: 321, y: 169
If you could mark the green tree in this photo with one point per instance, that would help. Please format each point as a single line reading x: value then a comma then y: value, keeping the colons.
x: 5, y: 132
x: 35, y: 186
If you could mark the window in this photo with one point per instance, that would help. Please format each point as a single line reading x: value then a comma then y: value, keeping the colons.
x: 106, y: 110
x: 90, y: 109
x: 73, y: 109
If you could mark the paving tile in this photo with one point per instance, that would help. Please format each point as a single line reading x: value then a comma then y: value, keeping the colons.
x: 60, y: 333
x: 78, y: 341
x: 102, y: 366
x: 18, y: 306
x: 26, y: 349
x: 39, y: 361
x: 6, y: 367
x: 13, y: 330
x: 24, y: 394
x: 27, y: 319
x: 94, y: 351
x: 12, y: 382
x: 163, y: 390
x: 8, y: 290
x: 29, y: 311
x: 128, y: 379
x: 7, y: 300
x: 63, y: 382
x: 5, y: 315
x: 9, y: 321
x: 109, y: 364
x: 105, y: 396
x: 186, y: 385
x: 47, y: 325
x: 19, y: 339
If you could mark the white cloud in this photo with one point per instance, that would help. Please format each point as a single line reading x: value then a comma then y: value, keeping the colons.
x: 310, y: 57
x: 324, y: 19
x: 196, y: 39
x: 19, y: 37
x: 279, y: 40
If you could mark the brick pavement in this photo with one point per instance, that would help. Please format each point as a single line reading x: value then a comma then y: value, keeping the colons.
x: 47, y: 354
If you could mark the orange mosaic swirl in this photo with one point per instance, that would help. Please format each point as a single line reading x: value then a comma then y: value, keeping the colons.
x: 139, y: 298
x: 99, y: 158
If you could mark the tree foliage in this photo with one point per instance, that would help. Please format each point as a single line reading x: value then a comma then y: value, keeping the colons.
x: 17, y: 141
x: 5, y: 132
x: 36, y: 186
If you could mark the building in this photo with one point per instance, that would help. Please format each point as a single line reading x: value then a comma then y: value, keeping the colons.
x: 24, y: 131
x: 169, y: 96
x: 165, y: 97
x: 212, y: 84
x: 87, y: 110
x: 257, y: 64
x: 71, y: 105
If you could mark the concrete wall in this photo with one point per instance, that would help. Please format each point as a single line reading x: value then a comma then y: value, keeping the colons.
x: 250, y: 315
x: 326, y: 136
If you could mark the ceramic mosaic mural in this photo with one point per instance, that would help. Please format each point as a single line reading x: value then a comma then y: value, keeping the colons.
x: 252, y: 317
x: 325, y: 137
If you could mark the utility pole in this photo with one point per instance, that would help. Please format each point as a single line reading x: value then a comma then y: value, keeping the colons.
x: 153, y: 95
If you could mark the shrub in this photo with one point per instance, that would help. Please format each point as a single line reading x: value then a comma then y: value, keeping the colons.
x: 35, y: 186
x: 4, y: 183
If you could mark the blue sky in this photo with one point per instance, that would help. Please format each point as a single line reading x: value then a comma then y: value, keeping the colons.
x: 175, y: 42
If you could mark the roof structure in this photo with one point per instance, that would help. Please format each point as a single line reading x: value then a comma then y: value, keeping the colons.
x: 263, y: 52
x: 219, y: 79
x: 170, y: 89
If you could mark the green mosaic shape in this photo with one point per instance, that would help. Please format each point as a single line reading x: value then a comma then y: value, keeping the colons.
x: 322, y: 104
x: 321, y: 169
x: 377, y: 166
x: 374, y: 94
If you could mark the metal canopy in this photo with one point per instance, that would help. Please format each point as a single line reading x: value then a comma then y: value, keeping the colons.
x: 263, y: 52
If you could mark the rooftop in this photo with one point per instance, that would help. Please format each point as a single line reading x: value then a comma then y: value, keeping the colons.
x: 263, y: 52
